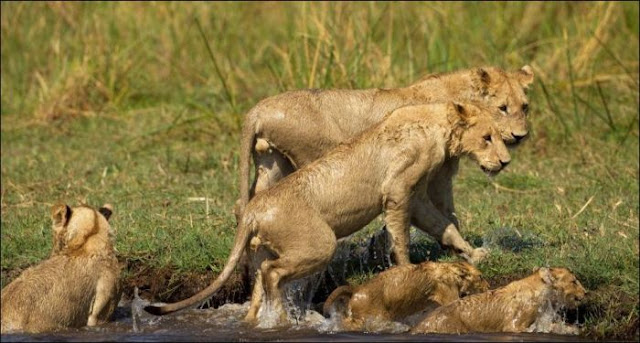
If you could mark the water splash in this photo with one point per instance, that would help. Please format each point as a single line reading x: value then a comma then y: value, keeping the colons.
x: 139, y: 315
x: 549, y: 320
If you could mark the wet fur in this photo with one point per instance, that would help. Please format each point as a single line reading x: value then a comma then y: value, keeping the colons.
x: 77, y: 286
x: 512, y: 308
x: 402, y: 291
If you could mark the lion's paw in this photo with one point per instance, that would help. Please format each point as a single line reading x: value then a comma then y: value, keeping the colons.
x: 477, y: 255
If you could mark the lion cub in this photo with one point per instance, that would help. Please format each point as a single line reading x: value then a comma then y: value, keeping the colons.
x: 291, y: 229
x: 402, y: 291
x: 516, y: 307
x: 77, y: 286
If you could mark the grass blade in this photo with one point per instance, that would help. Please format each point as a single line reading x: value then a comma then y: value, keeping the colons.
x: 230, y: 97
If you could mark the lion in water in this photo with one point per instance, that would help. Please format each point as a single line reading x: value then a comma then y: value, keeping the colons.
x: 516, y: 307
x: 78, y: 285
x: 402, y: 291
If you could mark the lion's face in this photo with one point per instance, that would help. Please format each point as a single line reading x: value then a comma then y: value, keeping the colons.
x: 505, y: 93
x: 482, y: 141
x: 470, y: 279
x: 567, y: 287
x: 79, y: 223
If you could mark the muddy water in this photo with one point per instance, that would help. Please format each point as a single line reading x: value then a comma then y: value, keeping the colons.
x: 224, y: 323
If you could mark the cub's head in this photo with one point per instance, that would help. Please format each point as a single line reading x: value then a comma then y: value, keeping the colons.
x: 478, y: 136
x: 468, y: 278
x: 81, y: 229
x: 568, y: 290
x: 505, y: 93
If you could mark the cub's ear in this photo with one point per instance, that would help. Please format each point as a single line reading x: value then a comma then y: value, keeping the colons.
x: 460, y: 112
x: 485, y: 78
x: 60, y: 214
x: 525, y: 76
x: 106, y: 211
x: 545, y: 274
x: 481, y: 80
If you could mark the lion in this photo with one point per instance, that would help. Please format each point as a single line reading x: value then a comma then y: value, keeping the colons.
x: 402, y: 291
x: 288, y: 131
x: 290, y: 230
x: 77, y: 286
x: 516, y: 307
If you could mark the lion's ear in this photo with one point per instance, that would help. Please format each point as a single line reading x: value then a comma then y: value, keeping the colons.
x: 460, y: 111
x: 545, y: 274
x: 481, y: 80
x: 525, y: 76
x: 60, y: 214
x: 106, y: 210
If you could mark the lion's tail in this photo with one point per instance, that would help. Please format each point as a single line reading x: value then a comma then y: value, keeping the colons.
x: 242, y: 237
x: 248, y: 140
x: 338, y: 301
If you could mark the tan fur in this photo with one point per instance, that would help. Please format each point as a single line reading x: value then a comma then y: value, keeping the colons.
x: 290, y: 130
x: 404, y: 290
x: 293, y: 227
x: 77, y: 286
x: 512, y: 308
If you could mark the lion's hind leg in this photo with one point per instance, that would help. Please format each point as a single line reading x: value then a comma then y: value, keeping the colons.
x: 302, y: 250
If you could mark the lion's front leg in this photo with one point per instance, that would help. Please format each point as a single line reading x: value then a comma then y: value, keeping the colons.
x: 397, y: 221
x: 403, y: 175
x: 106, y: 290
x: 440, y: 190
x: 426, y: 217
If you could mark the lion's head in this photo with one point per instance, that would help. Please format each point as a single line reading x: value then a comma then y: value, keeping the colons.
x: 479, y: 137
x: 505, y: 93
x: 74, y: 228
x: 468, y: 278
x: 567, y: 289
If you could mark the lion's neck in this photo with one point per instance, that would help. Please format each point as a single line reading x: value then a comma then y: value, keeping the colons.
x: 95, y: 245
x: 534, y: 292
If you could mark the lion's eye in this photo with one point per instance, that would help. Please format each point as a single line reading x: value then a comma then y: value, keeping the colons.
x: 503, y: 108
x: 487, y: 138
x: 525, y: 108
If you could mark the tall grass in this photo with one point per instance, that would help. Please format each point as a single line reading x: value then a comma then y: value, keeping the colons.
x: 140, y: 104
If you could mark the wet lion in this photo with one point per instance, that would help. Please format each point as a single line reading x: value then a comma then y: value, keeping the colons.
x: 77, y: 286
x: 517, y: 307
x: 288, y: 131
x: 402, y: 291
x: 291, y: 229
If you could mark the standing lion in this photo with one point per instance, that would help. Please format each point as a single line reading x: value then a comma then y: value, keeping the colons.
x: 77, y: 286
x: 288, y: 131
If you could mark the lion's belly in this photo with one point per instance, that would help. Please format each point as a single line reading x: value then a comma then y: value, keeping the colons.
x: 349, y: 205
x: 349, y: 220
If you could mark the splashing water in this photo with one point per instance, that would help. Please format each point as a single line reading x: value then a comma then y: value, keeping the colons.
x: 138, y: 314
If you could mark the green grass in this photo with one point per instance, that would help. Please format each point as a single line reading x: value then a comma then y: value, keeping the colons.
x: 128, y: 103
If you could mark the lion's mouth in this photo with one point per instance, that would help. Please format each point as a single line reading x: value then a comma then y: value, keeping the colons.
x: 489, y: 172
